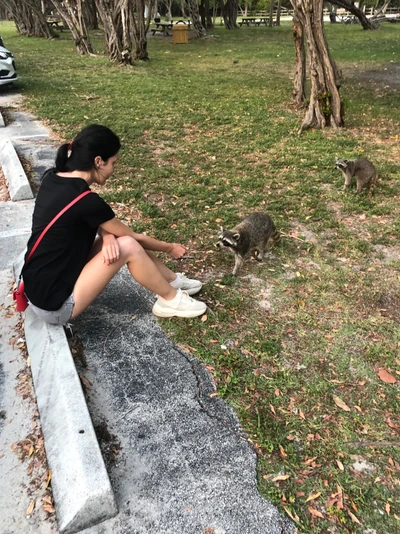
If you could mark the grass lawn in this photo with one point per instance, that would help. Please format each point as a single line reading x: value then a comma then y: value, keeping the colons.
x: 305, y: 346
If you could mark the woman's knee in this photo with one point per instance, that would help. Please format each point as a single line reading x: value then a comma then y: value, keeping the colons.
x: 128, y: 246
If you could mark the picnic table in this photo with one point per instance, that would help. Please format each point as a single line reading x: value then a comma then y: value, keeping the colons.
x: 164, y: 27
x: 254, y: 21
x: 55, y: 23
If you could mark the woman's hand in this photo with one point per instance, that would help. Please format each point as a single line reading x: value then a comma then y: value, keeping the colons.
x: 177, y: 251
x: 110, y: 249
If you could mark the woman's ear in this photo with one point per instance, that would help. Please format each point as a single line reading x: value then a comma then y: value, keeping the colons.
x: 98, y: 160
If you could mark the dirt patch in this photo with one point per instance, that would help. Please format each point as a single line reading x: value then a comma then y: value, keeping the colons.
x: 389, y: 306
x: 386, y: 77
x: 389, y: 253
x: 4, y: 194
x: 7, y: 116
x: 109, y: 444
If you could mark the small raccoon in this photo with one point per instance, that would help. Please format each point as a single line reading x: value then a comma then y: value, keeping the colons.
x: 249, y: 237
x: 363, y: 170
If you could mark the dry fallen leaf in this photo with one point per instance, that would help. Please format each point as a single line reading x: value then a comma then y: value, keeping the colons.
x: 353, y: 517
x: 292, y: 515
x: 30, y: 508
x: 48, y: 508
x: 340, y: 465
x: 386, y: 377
x: 48, y: 478
x: 314, y: 512
x: 387, y: 508
x: 282, y: 451
x: 204, y: 319
x: 313, y: 496
x: 280, y: 477
x: 338, y: 401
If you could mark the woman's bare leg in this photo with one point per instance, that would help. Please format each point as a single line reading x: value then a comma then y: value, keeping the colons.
x: 164, y: 270
x: 96, y: 274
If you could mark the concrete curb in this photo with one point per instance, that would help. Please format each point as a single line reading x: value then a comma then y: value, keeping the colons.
x: 18, y: 185
x: 82, y: 490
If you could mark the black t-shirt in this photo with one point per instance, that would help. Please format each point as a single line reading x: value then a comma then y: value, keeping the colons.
x: 56, y: 264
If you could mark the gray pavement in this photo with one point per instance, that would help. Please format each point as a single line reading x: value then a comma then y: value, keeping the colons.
x: 177, y: 458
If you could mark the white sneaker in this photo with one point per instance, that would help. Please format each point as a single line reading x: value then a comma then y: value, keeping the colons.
x: 187, y: 284
x: 180, y: 306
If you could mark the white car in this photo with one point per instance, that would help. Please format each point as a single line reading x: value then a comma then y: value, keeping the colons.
x: 8, y: 71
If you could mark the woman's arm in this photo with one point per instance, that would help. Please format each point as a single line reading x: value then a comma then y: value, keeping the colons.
x: 119, y: 229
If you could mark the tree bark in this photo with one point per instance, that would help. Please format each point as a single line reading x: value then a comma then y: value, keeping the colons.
x: 366, y: 23
x: 117, y: 24
x: 325, y: 107
x: 229, y: 9
x: 90, y: 14
x: 271, y: 14
x: 204, y: 11
x: 278, y: 13
x: 193, y: 7
x: 71, y: 15
x: 299, y: 85
x: 29, y: 18
x: 140, y: 28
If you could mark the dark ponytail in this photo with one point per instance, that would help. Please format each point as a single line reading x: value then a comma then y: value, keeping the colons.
x: 94, y: 140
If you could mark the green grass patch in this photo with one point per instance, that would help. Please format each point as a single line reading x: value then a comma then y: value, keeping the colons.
x: 295, y: 344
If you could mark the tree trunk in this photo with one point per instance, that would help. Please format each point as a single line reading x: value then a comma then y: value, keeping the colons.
x: 278, y: 13
x: 299, y: 85
x: 271, y: 14
x: 141, y: 27
x: 193, y: 6
x: 117, y: 21
x: 183, y: 9
x: 90, y: 14
x: 362, y: 17
x: 29, y: 18
x: 71, y: 15
x: 204, y: 10
x: 229, y: 9
x: 325, y: 107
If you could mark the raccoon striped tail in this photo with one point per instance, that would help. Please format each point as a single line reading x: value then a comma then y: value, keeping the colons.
x: 276, y: 237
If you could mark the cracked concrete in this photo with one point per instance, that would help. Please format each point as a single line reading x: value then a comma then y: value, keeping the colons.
x: 185, y: 465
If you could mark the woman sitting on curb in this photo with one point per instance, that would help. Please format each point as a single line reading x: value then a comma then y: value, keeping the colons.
x: 71, y: 267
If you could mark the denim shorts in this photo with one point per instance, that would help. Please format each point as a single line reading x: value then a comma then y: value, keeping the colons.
x: 60, y: 317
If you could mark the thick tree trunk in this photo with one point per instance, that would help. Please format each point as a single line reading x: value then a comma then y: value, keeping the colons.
x: 366, y: 23
x: 90, y: 14
x: 325, y: 107
x: 117, y: 21
x: 229, y: 9
x: 204, y: 11
x: 299, y: 85
x: 29, y: 18
x: 193, y: 6
x: 140, y: 28
x: 71, y: 15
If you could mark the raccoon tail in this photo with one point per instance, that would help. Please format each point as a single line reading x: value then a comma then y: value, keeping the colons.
x: 276, y: 237
x: 374, y: 183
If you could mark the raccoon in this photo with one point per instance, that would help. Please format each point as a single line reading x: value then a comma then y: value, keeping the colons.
x: 363, y: 170
x: 249, y: 237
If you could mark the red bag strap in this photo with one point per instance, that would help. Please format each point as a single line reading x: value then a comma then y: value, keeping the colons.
x: 54, y: 220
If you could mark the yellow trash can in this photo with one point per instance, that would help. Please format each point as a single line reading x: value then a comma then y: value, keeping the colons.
x: 180, y: 34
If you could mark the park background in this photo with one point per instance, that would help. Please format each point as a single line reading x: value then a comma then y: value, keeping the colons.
x: 305, y: 346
